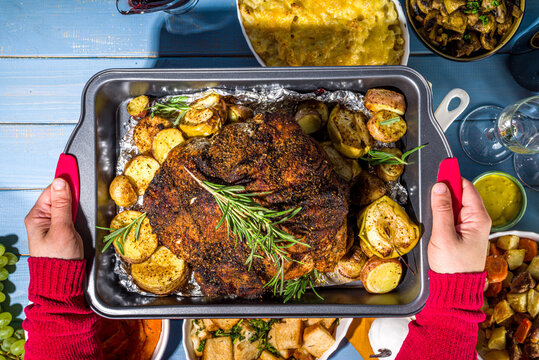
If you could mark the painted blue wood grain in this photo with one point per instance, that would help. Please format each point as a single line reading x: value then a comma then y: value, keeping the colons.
x: 31, y: 155
x: 94, y: 28
x: 15, y: 205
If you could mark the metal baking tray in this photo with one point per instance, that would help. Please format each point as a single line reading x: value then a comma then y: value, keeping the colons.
x: 94, y: 143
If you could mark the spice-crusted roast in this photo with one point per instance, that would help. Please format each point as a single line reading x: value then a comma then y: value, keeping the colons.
x: 270, y: 153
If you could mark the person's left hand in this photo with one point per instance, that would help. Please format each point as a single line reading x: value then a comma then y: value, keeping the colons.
x: 49, y: 225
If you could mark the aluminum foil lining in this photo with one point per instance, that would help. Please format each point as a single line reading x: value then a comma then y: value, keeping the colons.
x: 262, y: 98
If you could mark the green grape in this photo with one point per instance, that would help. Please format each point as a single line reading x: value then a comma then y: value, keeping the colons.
x: 6, y: 344
x: 2, y: 357
x: 3, y: 274
x: 2, y: 297
x: 2, y: 249
x: 12, y: 259
x: 17, y: 348
x: 5, y: 319
x: 3, y: 261
x: 6, y: 332
x: 19, y: 334
x: 1, y: 286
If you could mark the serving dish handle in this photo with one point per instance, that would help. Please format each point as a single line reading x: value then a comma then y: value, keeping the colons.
x: 443, y: 115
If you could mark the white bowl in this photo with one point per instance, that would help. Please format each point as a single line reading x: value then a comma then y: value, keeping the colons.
x: 402, y: 22
x: 340, y: 333
x: 163, y: 340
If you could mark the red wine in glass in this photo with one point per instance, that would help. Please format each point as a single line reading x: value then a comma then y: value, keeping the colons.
x: 129, y: 7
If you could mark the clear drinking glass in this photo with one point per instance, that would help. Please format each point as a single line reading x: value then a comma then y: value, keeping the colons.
x: 490, y: 135
x: 175, y: 7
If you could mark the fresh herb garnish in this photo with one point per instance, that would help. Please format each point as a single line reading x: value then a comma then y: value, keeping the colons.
x: 256, y: 226
x: 234, y: 333
x: 495, y: 3
x: 472, y: 7
x: 467, y: 37
x: 262, y: 329
x: 120, y: 235
x: 484, y: 19
x: 390, y: 121
x: 175, y: 106
x: 201, y: 346
x: 295, y: 288
x: 378, y: 157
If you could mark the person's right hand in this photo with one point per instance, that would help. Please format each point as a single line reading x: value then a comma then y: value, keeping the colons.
x: 460, y: 248
x: 49, y: 225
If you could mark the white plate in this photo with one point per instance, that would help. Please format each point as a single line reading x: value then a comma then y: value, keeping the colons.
x: 402, y: 22
x: 340, y: 333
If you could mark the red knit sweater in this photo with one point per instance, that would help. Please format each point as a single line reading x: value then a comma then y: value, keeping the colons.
x: 61, y: 326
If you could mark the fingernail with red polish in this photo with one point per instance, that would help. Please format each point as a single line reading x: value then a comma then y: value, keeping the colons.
x: 440, y: 188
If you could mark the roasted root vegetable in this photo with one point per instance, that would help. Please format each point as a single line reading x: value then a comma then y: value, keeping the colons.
x: 201, y: 122
x: 514, y: 258
x: 212, y: 101
x: 502, y: 311
x: 533, y: 268
x: 496, y: 268
x: 532, y: 306
x: 497, y: 355
x: 122, y: 191
x: 138, y: 107
x: 140, y: 172
x: 311, y: 115
x: 507, y: 242
x: 522, y: 331
x: 164, y: 141
x: 530, y: 246
x: 145, y: 131
x: 386, y: 126
x: 497, y: 339
x: 386, y: 229
x: 380, y: 276
x: 346, y: 168
x: 518, y: 302
x: 161, y: 274
x: 350, y: 265
x: 367, y: 189
x: 239, y: 113
x: 390, y: 172
x: 382, y: 99
x: 494, y: 289
x: 348, y: 132
x: 134, y: 250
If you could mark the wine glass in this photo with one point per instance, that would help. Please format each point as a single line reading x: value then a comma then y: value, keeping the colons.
x: 490, y: 135
x: 175, y: 7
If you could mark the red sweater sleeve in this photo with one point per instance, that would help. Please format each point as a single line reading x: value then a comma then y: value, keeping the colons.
x: 446, y: 329
x: 59, y: 323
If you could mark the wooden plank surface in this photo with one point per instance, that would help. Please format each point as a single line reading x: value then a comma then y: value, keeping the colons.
x: 93, y: 28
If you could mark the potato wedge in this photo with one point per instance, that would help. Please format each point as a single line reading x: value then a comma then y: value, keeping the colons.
x: 137, y: 107
x: 497, y: 340
x: 346, y: 168
x: 145, y: 131
x: 518, y: 302
x: 164, y: 141
x: 140, y: 172
x: 386, y: 126
x: 122, y: 191
x: 514, y: 258
x: 390, y: 172
x: 368, y: 189
x: 533, y: 269
x: 317, y: 340
x: 382, y: 99
x: 200, y: 122
x: 532, y: 305
x: 502, y: 311
x: 380, y: 276
x: 507, y: 242
x: 161, y: 274
x: 135, y: 251
x: 348, y: 132
x: 219, y: 348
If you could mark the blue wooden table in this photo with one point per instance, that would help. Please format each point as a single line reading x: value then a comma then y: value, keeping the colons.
x: 49, y: 49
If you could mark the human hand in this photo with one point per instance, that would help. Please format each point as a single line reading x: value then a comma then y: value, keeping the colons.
x: 49, y: 225
x: 460, y: 248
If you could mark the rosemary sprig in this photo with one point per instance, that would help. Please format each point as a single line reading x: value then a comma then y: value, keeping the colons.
x: 234, y: 333
x: 120, y: 235
x: 175, y: 106
x: 262, y: 329
x: 390, y: 121
x: 378, y: 157
x: 256, y: 226
x: 296, y: 288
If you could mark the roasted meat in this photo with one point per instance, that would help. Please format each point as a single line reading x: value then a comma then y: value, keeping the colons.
x: 268, y: 154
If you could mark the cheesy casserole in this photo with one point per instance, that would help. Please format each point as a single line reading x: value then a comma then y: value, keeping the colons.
x: 323, y: 32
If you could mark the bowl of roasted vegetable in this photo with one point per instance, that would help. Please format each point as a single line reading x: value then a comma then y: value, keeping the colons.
x: 462, y: 30
x: 511, y: 298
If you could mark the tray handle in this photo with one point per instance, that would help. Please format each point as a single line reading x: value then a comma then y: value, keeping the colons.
x: 443, y: 116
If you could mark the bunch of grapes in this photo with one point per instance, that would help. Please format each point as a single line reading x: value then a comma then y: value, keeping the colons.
x: 11, y: 340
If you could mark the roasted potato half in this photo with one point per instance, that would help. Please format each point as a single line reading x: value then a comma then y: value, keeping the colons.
x: 386, y: 126
x: 145, y: 131
x: 161, y: 274
x: 346, y: 168
x: 351, y: 264
x: 368, y: 189
x: 390, y: 172
x: 239, y: 113
x: 164, y: 141
x: 382, y: 99
x: 348, y: 132
x: 138, y: 107
x: 212, y: 101
x: 312, y: 115
x: 138, y: 250
x: 122, y: 191
x: 201, y: 122
x: 380, y: 276
x: 140, y: 172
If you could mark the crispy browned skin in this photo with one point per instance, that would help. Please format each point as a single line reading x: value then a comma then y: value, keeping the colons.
x: 271, y: 153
